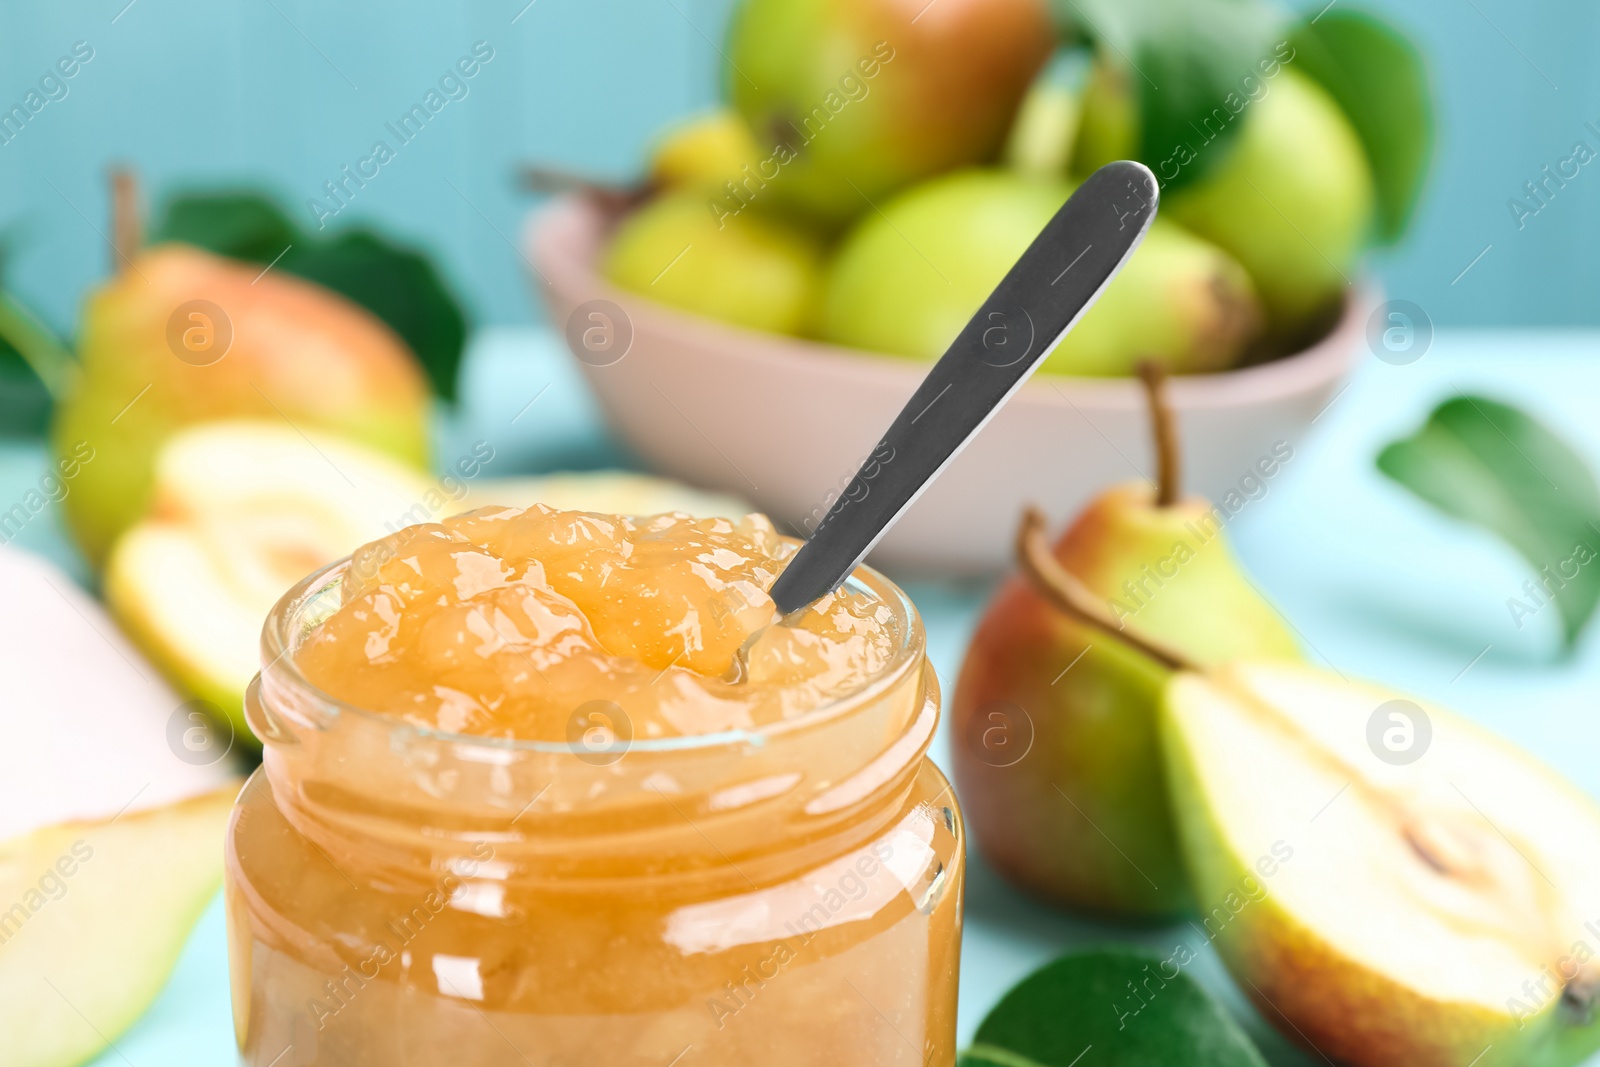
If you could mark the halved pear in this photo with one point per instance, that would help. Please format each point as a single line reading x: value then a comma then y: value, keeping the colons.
x: 111, y: 822
x: 243, y: 510
x: 93, y: 916
x: 1442, y: 911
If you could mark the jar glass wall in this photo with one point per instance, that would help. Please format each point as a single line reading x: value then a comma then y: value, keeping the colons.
x: 784, y: 896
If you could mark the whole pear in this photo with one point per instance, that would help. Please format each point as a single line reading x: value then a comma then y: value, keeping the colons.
x: 1057, y: 754
x: 1048, y: 123
x: 907, y: 280
x: 1109, y: 128
x: 180, y: 336
x: 865, y: 96
x: 1292, y: 200
x: 749, y: 268
x: 707, y: 150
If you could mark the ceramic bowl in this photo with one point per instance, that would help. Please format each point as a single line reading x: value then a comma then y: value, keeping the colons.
x: 785, y: 422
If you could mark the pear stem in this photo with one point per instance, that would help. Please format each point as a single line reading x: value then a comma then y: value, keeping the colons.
x: 126, y: 235
x: 609, y: 195
x: 1057, y: 585
x: 40, y: 349
x: 1169, y: 466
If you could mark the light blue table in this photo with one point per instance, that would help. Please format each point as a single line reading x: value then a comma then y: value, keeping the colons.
x: 1375, y: 583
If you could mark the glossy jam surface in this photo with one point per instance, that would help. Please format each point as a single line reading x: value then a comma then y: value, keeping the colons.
x: 502, y: 621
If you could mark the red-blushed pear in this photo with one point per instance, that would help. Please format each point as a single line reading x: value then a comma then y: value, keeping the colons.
x: 1057, y: 758
x: 1391, y: 884
x: 113, y: 801
x: 180, y: 336
x: 852, y: 99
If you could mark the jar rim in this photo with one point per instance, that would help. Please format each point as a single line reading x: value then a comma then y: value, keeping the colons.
x: 287, y: 619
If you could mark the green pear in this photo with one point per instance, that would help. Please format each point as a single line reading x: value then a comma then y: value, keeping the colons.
x: 1292, y: 200
x: 1389, y: 882
x: 1109, y: 128
x: 1046, y: 129
x: 861, y: 97
x: 181, y: 336
x: 1057, y: 755
x: 740, y: 265
x: 907, y: 280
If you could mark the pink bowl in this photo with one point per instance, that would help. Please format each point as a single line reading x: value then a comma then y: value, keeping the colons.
x: 785, y: 422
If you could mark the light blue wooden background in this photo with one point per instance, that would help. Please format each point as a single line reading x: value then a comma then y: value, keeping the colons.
x: 282, y: 92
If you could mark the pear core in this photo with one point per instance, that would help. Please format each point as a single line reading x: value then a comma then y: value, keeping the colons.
x: 509, y: 622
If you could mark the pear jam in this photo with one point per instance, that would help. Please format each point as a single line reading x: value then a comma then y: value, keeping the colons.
x: 559, y: 788
x: 501, y: 622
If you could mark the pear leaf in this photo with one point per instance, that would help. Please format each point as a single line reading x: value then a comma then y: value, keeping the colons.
x: 1134, y: 1009
x: 237, y: 225
x: 397, y: 284
x: 400, y: 286
x: 32, y: 363
x: 1379, y: 80
x: 1191, y: 64
x: 1492, y: 465
x: 24, y: 402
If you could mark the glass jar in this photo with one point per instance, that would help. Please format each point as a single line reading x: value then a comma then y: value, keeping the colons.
x: 783, y: 896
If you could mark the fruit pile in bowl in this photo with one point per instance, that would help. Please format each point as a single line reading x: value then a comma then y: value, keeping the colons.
x: 772, y: 292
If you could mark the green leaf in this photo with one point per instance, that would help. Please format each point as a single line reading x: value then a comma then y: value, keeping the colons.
x: 35, y: 367
x: 397, y: 284
x: 1184, y: 60
x: 1133, y: 1009
x: 1380, y: 81
x: 1492, y: 465
x: 25, y: 403
x: 239, y: 225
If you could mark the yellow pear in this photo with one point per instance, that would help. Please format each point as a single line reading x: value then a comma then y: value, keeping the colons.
x: 181, y: 336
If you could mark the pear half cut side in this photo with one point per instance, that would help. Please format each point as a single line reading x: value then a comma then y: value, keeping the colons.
x: 95, y: 916
x: 1436, y: 908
